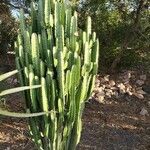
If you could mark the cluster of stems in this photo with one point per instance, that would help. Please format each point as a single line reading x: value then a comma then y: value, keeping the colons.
x: 53, y: 52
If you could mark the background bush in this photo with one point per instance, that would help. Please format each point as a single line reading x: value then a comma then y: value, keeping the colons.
x: 122, y: 27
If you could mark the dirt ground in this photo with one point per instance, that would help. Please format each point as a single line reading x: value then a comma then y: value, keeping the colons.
x: 113, y: 125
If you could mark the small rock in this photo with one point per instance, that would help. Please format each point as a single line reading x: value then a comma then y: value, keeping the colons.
x: 148, y: 103
x: 143, y: 77
x: 100, y: 89
x: 96, y: 90
x: 128, y: 89
x: 139, y: 96
x: 97, y: 82
x: 92, y: 95
x: 130, y: 93
x: 112, y: 83
x: 104, y: 86
x: 113, y: 88
x: 144, y: 112
x: 140, y: 82
x: 126, y: 82
x: 141, y: 92
x: 134, y: 90
x: 121, y: 86
x: 128, y: 86
x: 7, y: 139
x: 102, y: 81
x: 128, y: 74
x: 108, y: 86
x: 108, y: 94
x: 101, y: 99
x: 109, y: 91
x: 122, y: 91
x: 116, y: 94
x: 106, y: 78
x: 102, y: 93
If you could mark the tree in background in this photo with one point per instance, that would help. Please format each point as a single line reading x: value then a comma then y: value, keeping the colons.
x: 122, y: 27
x: 9, y: 25
x: 7, y: 30
x: 17, y: 4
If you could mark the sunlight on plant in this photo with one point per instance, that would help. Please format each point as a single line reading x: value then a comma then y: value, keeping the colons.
x: 54, y: 52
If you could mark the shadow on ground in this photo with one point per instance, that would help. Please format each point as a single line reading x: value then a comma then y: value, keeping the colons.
x: 114, y: 126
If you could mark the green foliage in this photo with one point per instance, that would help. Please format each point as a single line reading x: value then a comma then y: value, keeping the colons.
x: 120, y: 26
x: 55, y: 53
x: 8, y: 28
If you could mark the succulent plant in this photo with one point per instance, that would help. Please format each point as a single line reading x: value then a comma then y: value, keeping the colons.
x: 55, y: 53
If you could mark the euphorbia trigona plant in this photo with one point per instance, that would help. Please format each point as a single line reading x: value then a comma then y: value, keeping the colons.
x: 53, y: 52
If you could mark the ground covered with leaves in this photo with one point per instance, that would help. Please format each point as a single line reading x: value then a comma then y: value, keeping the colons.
x: 116, y: 117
